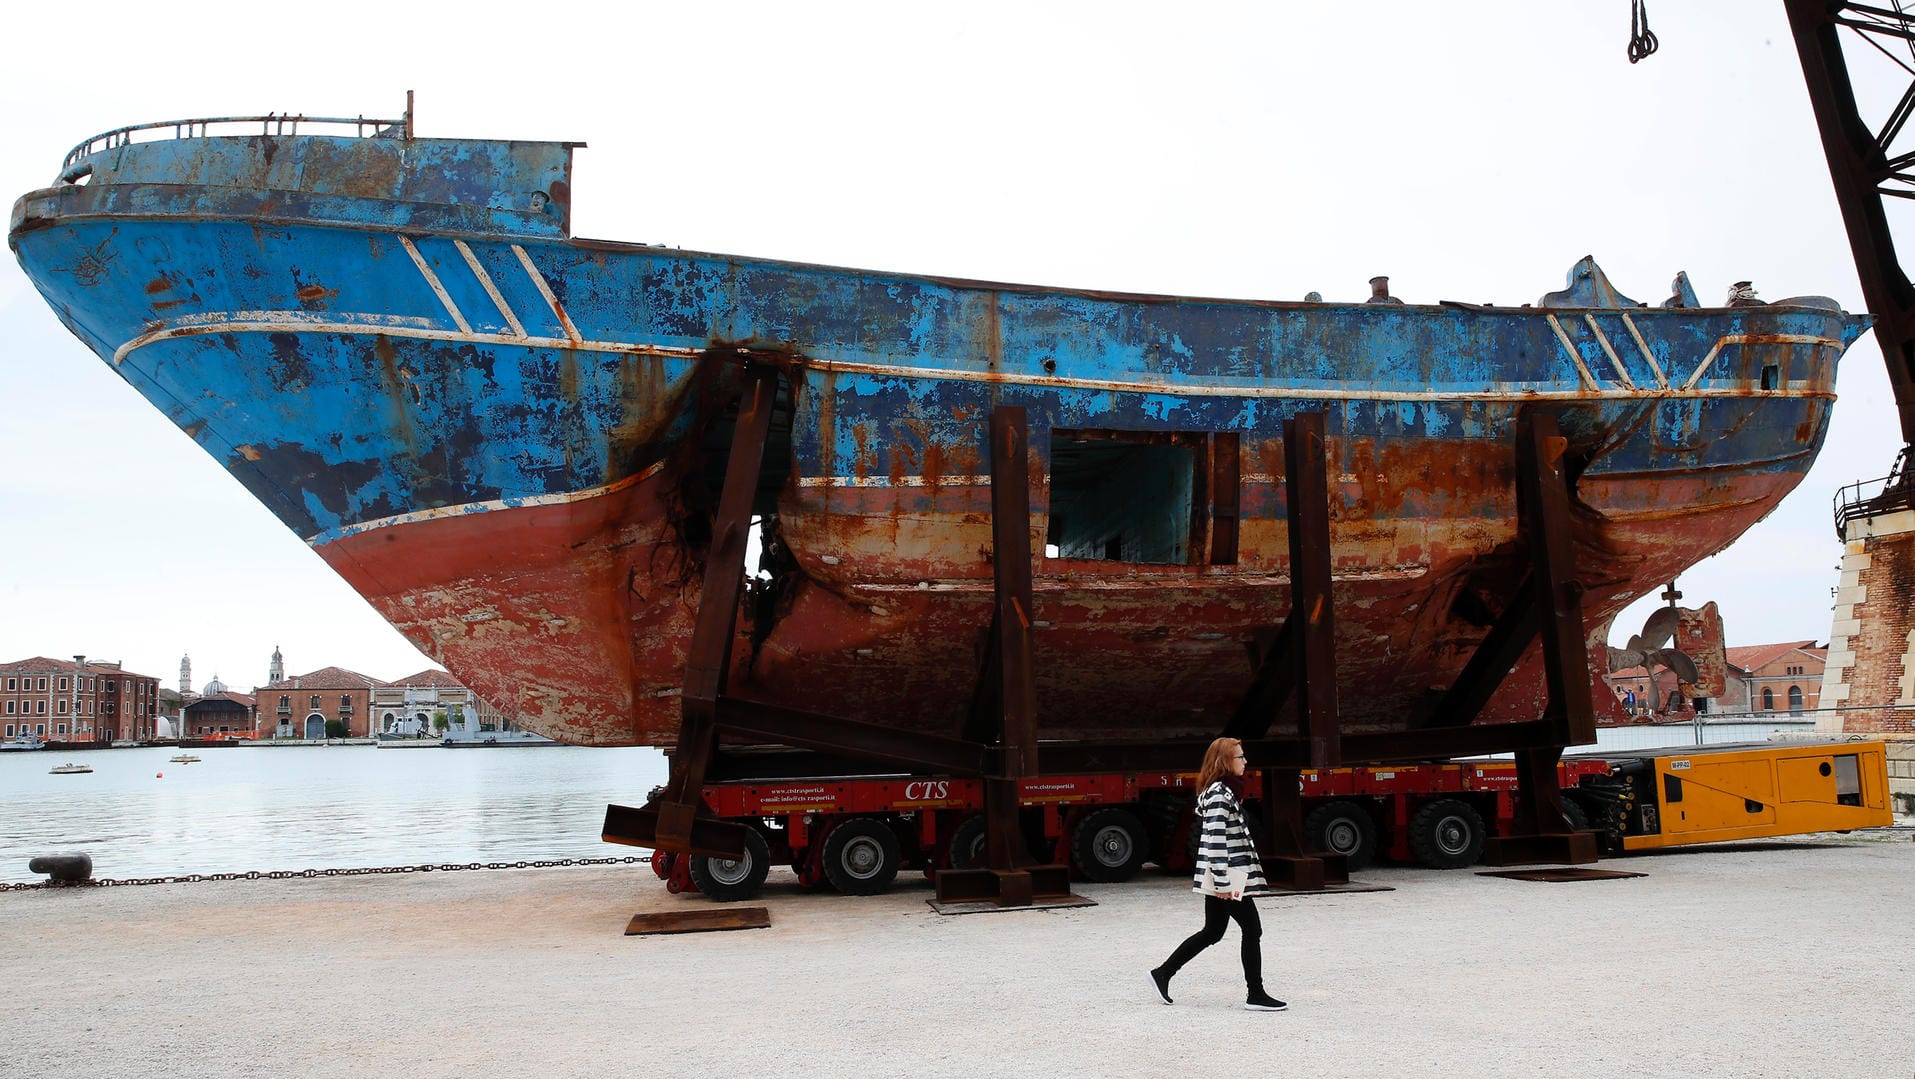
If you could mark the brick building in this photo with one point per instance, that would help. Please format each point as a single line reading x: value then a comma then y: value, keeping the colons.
x: 406, y: 707
x: 219, y: 713
x: 298, y: 707
x: 76, y: 700
x: 1779, y: 677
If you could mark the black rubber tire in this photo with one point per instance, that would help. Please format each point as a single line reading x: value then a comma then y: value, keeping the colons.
x: 1108, y: 845
x: 861, y: 856
x: 1577, y: 816
x: 727, y: 880
x: 968, y: 850
x: 1447, y: 834
x: 1342, y: 828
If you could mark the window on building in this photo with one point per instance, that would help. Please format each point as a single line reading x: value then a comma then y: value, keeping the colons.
x: 61, y: 728
x: 1768, y: 699
x: 285, y: 700
x: 63, y: 682
x: 1795, y: 699
x: 61, y: 708
x: 345, y: 702
x: 9, y: 730
x: 43, y: 683
x: 13, y: 683
x: 9, y: 707
x: 41, y: 707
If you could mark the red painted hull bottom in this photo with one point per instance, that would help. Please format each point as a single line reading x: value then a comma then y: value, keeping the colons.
x: 577, y: 617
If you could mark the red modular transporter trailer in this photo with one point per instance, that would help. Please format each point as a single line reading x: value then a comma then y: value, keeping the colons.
x: 855, y: 833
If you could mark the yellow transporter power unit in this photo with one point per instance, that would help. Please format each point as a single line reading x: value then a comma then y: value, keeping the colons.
x: 1713, y: 794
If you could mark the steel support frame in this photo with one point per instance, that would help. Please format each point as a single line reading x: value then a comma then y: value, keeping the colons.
x: 1298, y: 662
x: 673, y: 821
x: 1005, y: 708
x: 1554, y: 598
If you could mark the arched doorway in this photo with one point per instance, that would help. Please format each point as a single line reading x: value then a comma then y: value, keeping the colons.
x: 315, y: 727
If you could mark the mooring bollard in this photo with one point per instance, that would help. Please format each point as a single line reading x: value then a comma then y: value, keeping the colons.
x: 63, y: 868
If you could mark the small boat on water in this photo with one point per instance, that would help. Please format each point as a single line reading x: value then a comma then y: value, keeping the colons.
x: 496, y: 740
x: 21, y: 745
x: 70, y: 769
x: 184, y: 758
x: 510, y: 440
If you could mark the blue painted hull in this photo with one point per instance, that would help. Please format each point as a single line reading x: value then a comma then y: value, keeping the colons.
x: 500, y: 435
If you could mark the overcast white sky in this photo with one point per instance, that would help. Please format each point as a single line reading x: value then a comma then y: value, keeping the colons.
x: 1469, y: 151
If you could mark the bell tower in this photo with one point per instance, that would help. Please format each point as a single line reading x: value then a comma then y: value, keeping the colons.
x: 186, y: 676
x: 276, y: 671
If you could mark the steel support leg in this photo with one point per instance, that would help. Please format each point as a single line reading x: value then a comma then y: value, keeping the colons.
x: 671, y: 823
x: 1011, y: 879
x: 1540, y: 832
x: 1287, y: 860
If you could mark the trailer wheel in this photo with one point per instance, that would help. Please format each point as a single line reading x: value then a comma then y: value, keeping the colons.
x: 967, y: 844
x: 861, y: 856
x: 1578, y: 817
x: 1447, y: 834
x: 727, y: 880
x: 1108, y: 845
x: 1342, y: 828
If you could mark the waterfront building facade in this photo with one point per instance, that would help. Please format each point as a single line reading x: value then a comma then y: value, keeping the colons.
x: 219, y: 713
x: 408, y: 707
x: 76, y: 700
x: 299, y: 707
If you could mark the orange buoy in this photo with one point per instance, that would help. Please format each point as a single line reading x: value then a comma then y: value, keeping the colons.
x: 159, y: 775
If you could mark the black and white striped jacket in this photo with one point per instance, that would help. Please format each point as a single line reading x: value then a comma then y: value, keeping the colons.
x: 1226, y: 858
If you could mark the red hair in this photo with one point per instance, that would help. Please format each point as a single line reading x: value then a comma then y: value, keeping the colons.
x: 1217, y: 762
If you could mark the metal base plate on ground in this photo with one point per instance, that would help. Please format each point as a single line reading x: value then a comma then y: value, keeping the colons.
x: 986, y: 906
x: 1327, y: 889
x: 699, y: 921
x: 1562, y: 875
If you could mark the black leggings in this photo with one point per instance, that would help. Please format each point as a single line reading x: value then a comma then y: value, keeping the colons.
x: 1217, y: 913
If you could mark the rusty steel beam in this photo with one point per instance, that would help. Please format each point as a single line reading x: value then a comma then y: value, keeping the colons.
x: 1171, y: 755
x: 856, y: 738
x: 1287, y: 860
x: 1511, y: 635
x: 1540, y: 832
x: 1011, y: 572
x: 1438, y: 742
x: 1008, y: 688
x: 1275, y: 667
x: 1864, y: 170
x: 709, y: 656
x: 640, y: 827
x: 1011, y: 623
x: 1306, y: 483
x: 1542, y: 496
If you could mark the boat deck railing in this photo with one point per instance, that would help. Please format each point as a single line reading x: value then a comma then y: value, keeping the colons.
x: 276, y: 124
x: 1870, y: 498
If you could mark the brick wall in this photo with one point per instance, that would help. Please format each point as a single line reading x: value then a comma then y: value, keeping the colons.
x: 1871, y: 660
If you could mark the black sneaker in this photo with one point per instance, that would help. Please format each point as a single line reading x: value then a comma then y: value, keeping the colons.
x: 1261, y: 1001
x: 1161, y: 982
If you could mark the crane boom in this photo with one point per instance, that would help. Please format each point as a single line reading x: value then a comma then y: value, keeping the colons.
x: 1865, y: 168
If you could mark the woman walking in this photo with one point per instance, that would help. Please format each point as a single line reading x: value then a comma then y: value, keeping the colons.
x: 1228, y: 874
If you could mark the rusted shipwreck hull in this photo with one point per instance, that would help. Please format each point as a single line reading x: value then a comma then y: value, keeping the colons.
x: 509, y: 441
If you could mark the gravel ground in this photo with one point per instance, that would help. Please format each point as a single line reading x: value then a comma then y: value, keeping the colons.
x: 1784, y: 959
